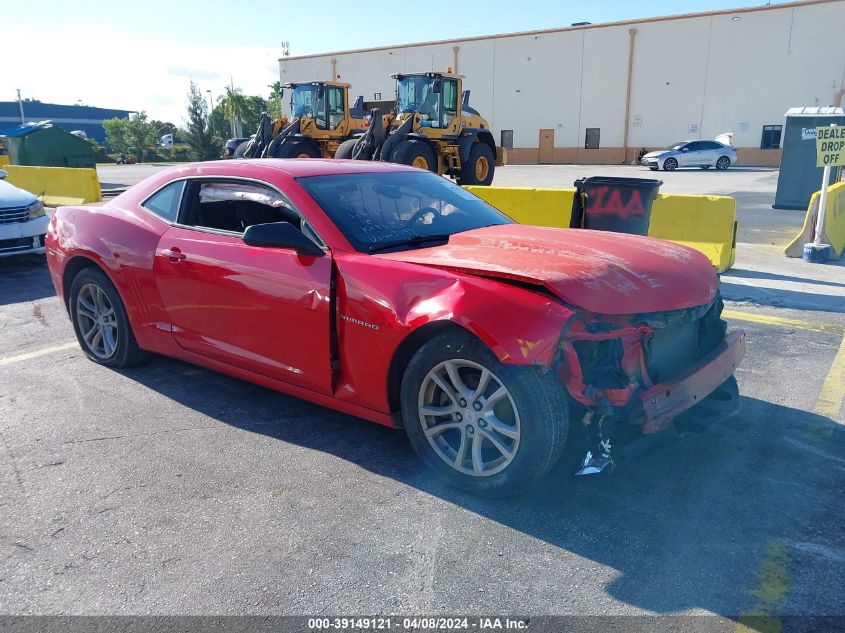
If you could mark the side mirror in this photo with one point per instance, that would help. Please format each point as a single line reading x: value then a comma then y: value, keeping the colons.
x: 281, y: 235
x: 3, y: 174
x: 685, y: 149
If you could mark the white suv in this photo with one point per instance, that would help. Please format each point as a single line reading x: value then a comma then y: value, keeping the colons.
x: 23, y: 222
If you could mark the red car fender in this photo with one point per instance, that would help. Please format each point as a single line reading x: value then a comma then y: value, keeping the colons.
x: 387, y: 309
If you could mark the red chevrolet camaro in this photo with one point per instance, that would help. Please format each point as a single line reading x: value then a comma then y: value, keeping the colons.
x: 394, y: 295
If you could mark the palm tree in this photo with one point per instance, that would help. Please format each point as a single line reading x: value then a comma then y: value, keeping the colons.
x: 234, y: 105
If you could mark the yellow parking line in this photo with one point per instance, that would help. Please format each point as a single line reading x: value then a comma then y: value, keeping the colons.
x: 833, y: 390
x: 765, y: 319
x: 832, y: 393
x: 8, y: 360
x: 773, y: 584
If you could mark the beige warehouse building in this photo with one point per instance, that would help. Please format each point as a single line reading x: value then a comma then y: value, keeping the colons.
x: 598, y: 93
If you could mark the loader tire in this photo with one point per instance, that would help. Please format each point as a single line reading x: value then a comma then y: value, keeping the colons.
x: 416, y: 154
x: 300, y: 148
x: 345, y: 149
x: 480, y: 167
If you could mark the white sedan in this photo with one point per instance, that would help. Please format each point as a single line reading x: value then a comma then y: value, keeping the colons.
x: 703, y: 154
x: 23, y: 222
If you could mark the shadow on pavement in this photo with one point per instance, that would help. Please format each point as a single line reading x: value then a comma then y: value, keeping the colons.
x: 24, y: 278
x: 758, y: 274
x: 780, y: 298
x: 685, y: 528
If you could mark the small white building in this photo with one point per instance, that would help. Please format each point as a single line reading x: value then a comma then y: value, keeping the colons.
x: 598, y: 93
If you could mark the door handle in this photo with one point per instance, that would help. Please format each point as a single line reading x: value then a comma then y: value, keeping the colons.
x: 173, y: 255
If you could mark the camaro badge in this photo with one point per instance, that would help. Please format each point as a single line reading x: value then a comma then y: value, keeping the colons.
x: 372, y: 326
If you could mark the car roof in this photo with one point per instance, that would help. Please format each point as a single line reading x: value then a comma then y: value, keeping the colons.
x: 302, y: 167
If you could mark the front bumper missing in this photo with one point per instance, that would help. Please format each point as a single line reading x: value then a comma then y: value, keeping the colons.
x: 664, y: 402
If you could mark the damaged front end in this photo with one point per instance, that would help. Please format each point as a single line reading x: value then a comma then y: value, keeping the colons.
x: 637, y: 376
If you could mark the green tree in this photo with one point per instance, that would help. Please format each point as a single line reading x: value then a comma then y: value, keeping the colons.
x: 197, y: 135
x: 116, y: 138
x: 253, y: 107
x: 235, y: 106
x: 141, y: 135
x: 274, y: 103
x: 164, y: 127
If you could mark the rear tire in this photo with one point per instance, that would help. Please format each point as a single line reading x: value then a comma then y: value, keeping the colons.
x: 100, y: 321
x: 670, y: 164
x: 345, y: 149
x: 240, y: 149
x: 519, y: 409
x: 299, y: 148
x: 723, y: 163
x: 416, y: 154
x: 480, y: 167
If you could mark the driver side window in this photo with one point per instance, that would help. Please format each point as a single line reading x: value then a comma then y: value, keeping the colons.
x: 233, y: 205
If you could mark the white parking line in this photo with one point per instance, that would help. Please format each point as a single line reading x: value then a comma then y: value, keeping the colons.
x: 9, y: 360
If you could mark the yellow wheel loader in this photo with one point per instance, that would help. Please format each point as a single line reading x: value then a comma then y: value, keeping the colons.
x: 321, y: 120
x: 433, y: 128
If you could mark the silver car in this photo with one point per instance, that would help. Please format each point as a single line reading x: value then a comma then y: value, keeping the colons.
x: 703, y: 154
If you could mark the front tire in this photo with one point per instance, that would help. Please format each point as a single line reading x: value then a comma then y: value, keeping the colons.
x: 416, y: 154
x: 240, y: 149
x: 344, y: 151
x: 480, y: 167
x: 723, y: 163
x: 100, y: 321
x: 670, y: 164
x: 479, y: 425
x: 300, y: 148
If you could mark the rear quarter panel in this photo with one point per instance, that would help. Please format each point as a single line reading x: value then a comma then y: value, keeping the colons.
x: 122, y: 242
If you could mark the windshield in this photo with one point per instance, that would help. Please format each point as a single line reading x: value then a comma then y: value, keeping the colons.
x: 374, y: 210
x: 416, y: 94
x: 677, y: 145
x: 305, y: 102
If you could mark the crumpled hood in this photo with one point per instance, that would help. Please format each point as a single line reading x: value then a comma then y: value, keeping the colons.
x: 603, y: 272
x: 656, y: 154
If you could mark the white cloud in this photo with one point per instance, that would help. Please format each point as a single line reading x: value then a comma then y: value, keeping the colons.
x: 130, y: 73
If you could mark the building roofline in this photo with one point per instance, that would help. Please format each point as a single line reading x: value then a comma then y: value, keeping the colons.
x: 476, y: 38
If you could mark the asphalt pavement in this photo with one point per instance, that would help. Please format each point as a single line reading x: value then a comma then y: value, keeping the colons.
x: 172, y: 489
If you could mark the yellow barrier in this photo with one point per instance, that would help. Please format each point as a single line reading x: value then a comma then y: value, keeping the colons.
x: 833, y: 231
x: 57, y: 186
x: 705, y: 223
x: 543, y: 207
x: 4, y: 160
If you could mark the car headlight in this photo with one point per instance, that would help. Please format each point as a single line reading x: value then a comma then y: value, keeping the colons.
x: 35, y: 210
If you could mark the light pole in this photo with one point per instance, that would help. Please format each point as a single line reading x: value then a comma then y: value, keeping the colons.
x: 20, y: 105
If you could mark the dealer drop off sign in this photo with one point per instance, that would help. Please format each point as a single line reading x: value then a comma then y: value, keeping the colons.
x: 830, y: 146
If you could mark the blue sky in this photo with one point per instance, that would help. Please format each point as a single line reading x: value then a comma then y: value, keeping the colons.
x: 142, y: 55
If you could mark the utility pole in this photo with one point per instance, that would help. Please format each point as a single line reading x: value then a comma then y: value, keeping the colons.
x: 210, y: 112
x: 20, y: 105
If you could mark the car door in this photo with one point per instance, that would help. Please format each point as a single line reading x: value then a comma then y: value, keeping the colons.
x: 711, y: 150
x: 690, y: 154
x: 262, y: 309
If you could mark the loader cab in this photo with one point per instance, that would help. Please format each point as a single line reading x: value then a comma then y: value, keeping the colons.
x: 434, y: 96
x: 323, y: 102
